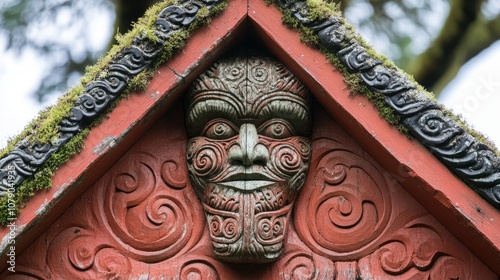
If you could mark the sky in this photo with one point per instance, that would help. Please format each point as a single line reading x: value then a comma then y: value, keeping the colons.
x: 474, y: 93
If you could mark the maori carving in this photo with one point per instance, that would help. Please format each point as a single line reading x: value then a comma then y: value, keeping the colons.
x: 472, y: 161
x: 349, y: 198
x: 247, y: 119
x: 26, y: 158
x: 147, y: 216
x: 136, y: 217
x: 355, y: 214
x: 142, y: 220
x: 414, y: 252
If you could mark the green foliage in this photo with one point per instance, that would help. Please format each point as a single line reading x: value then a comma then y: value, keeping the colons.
x: 44, y: 128
x: 42, y: 178
x: 22, y: 23
x: 322, y: 10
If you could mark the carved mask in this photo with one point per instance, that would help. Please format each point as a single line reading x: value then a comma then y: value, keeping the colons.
x: 248, y: 121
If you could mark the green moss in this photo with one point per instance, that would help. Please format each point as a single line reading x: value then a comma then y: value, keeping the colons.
x: 42, y: 178
x: 44, y: 128
x: 469, y: 129
x: 309, y: 37
x: 174, y: 44
x: 141, y: 81
x: 357, y: 86
x: 318, y: 10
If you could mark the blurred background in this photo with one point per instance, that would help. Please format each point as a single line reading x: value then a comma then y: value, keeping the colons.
x: 451, y: 47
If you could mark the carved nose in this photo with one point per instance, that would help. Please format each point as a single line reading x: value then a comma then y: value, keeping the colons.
x: 248, y: 151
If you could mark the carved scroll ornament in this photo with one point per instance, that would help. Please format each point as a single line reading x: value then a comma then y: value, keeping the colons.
x: 142, y: 220
x: 474, y: 162
x: 26, y: 158
x: 248, y: 120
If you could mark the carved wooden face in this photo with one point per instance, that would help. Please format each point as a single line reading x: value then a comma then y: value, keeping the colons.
x: 248, y: 122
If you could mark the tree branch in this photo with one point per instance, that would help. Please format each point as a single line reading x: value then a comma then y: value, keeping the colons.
x: 430, y: 66
x: 128, y: 11
x: 480, y: 36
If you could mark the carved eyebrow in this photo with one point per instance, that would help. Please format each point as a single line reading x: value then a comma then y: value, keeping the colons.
x: 209, y: 105
x: 292, y: 108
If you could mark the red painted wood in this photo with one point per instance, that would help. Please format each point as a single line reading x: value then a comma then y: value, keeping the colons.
x: 143, y: 219
x: 407, y: 165
x: 471, y: 219
x: 126, y: 123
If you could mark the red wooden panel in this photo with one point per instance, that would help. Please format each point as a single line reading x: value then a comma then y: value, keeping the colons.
x: 471, y: 219
x: 126, y: 123
x: 142, y: 220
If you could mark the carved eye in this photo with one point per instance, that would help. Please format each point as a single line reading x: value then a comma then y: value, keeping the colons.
x: 276, y: 129
x: 219, y: 129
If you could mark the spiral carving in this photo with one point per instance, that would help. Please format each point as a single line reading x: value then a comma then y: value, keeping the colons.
x: 230, y: 228
x: 81, y: 254
x: 349, y: 201
x: 259, y: 73
x: 73, y: 252
x: 395, y: 257
x: 286, y: 159
x: 198, y: 269
x: 223, y: 226
x: 437, y: 129
x: 111, y: 264
x: 173, y: 175
x: 270, y: 230
x: 357, y: 58
x: 235, y: 73
x: 164, y: 215
x: 299, y: 266
x: 205, y: 158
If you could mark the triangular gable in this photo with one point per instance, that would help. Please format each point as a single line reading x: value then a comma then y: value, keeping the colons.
x: 143, y: 220
x: 454, y: 204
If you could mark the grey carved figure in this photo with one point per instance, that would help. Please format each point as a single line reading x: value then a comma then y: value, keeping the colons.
x: 248, y: 123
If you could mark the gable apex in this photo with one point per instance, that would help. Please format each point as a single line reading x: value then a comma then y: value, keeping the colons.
x: 451, y: 144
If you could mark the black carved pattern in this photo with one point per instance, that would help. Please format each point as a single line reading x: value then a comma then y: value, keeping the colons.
x: 472, y: 161
x: 25, y: 158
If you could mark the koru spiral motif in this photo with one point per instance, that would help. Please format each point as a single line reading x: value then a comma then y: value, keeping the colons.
x: 248, y: 121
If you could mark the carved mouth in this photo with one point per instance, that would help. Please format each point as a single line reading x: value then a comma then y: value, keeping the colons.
x: 247, y: 185
x: 247, y: 176
x: 247, y: 181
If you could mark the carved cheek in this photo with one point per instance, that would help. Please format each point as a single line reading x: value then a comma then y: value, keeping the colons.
x: 205, y: 158
x: 290, y: 157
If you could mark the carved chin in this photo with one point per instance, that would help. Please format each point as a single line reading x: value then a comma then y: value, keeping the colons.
x: 247, y: 227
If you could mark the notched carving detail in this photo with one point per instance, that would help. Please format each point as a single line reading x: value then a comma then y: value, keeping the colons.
x: 346, y: 200
x: 248, y: 119
x: 407, y: 100
x: 353, y: 213
x: 100, y: 93
x: 153, y: 222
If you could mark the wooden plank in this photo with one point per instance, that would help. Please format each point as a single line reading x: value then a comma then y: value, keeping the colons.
x: 125, y: 125
x: 470, y: 218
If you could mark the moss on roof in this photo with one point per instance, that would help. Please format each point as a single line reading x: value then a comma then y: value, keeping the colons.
x: 45, y: 127
x: 466, y: 152
x: 322, y: 10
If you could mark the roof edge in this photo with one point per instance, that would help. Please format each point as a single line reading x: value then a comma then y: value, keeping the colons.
x: 29, y: 160
x: 475, y: 162
x: 27, y: 165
